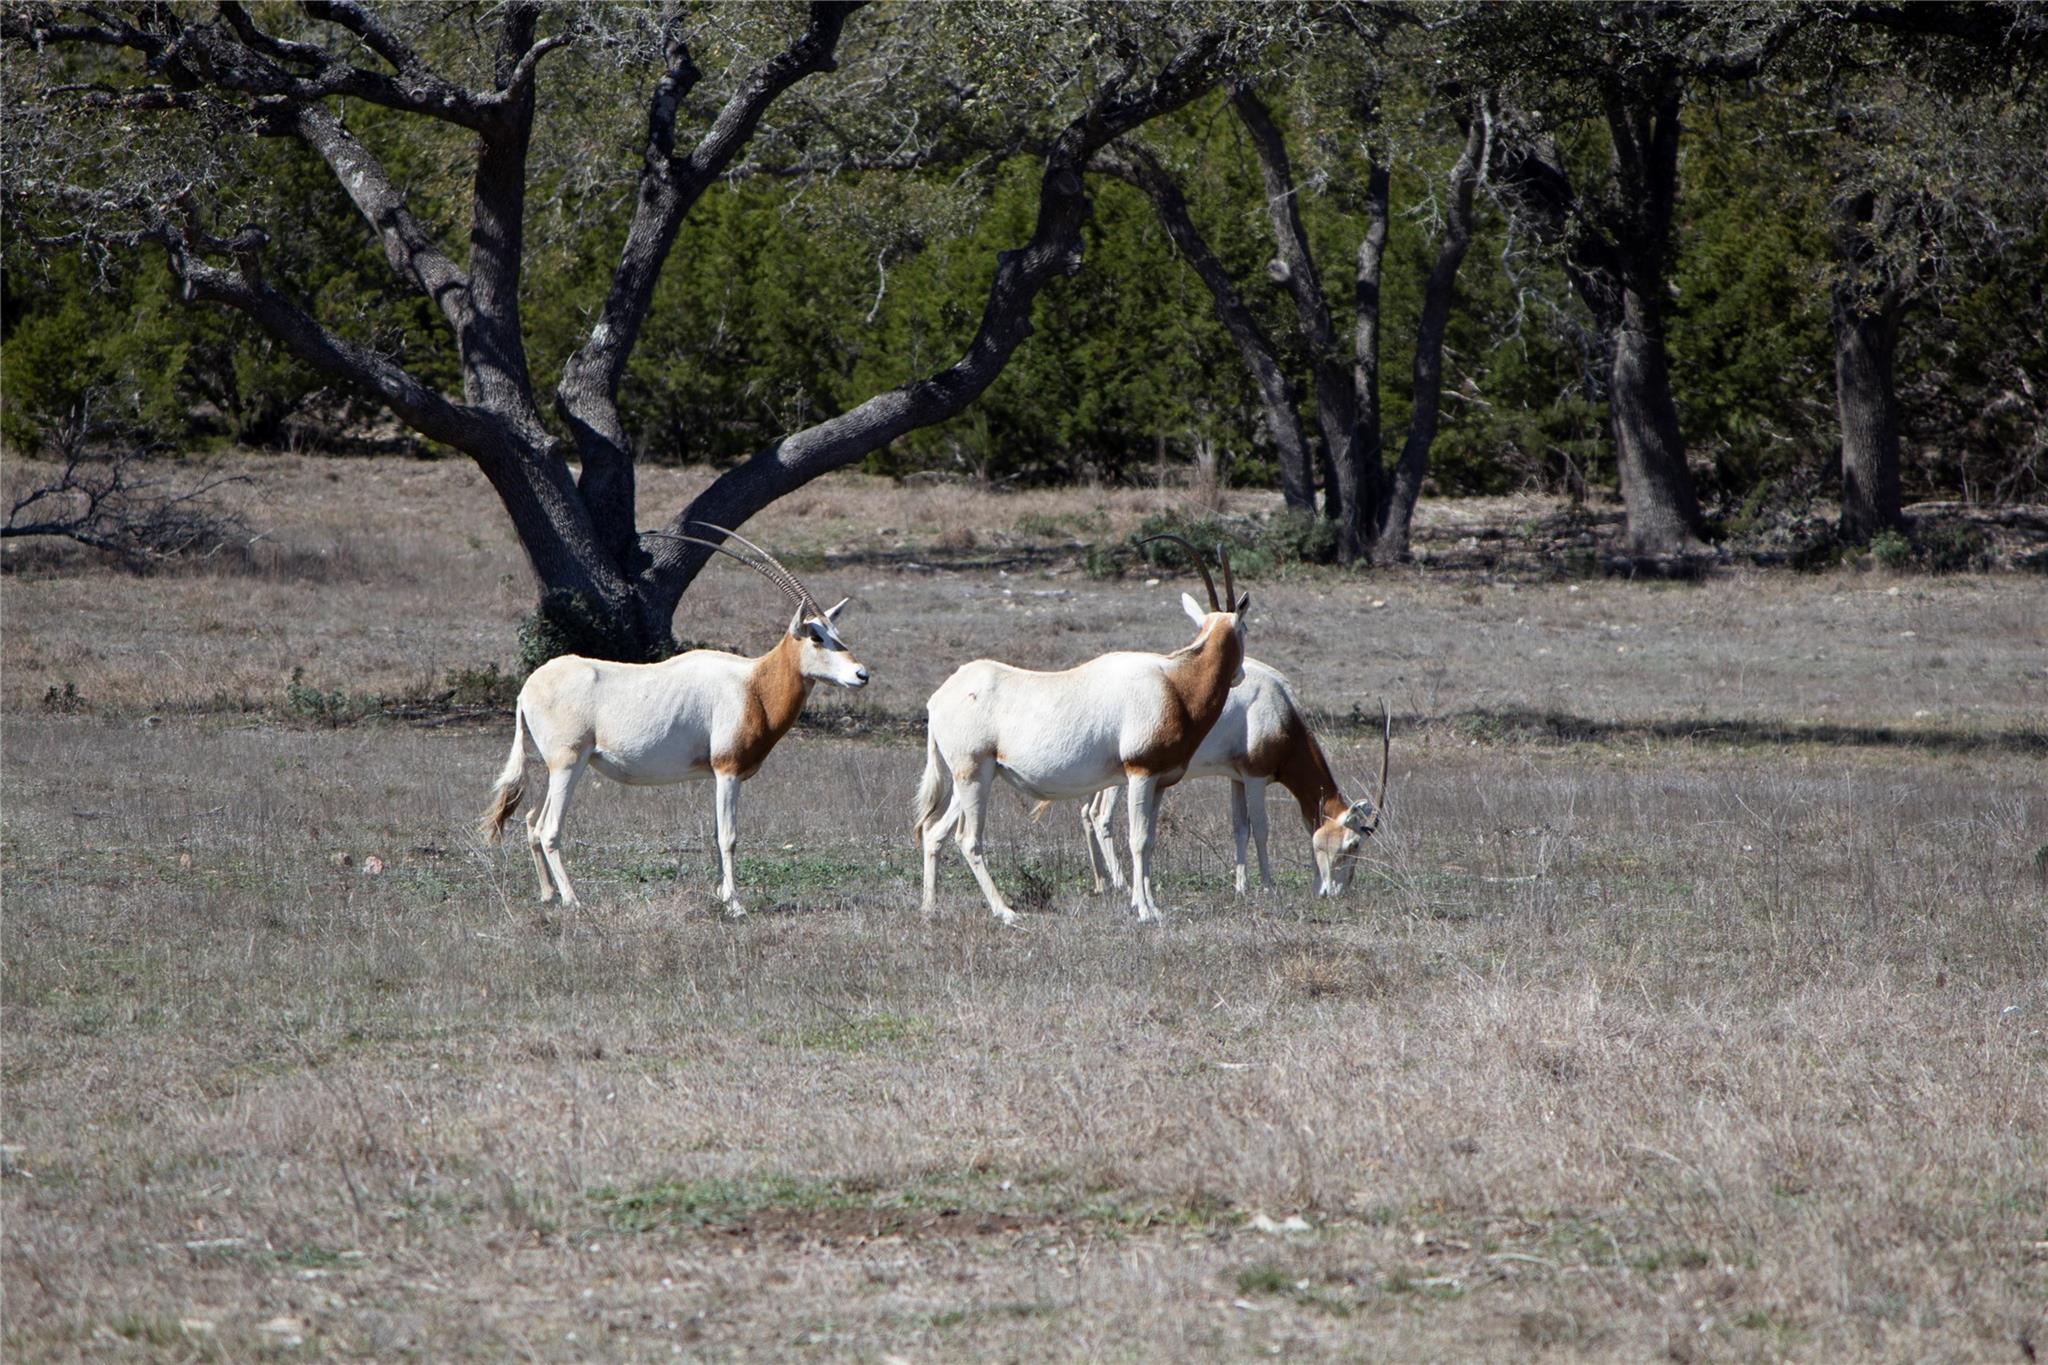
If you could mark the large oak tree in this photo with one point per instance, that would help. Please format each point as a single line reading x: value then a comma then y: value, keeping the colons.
x: 136, y: 110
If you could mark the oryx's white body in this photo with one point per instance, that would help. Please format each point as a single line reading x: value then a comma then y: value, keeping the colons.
x: 1261, y: 737
x: 701, y: 716
x: 1126, y: 717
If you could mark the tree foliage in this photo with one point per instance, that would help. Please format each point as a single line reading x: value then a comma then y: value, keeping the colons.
x: 845, y: 248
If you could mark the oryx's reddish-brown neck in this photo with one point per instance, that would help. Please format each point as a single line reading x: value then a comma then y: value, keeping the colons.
x: 1203, y: 672
x: 1306, y: 774
x: 1198, y: 681
x: 776, y: 691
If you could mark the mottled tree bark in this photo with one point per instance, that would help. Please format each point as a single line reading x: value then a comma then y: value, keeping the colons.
x: 1615, y: 250
x: 1366, y: 439
x: 1397, y: 509
x: 1866, y: 311
x: 1294, y: 269
x: 1279, y: 404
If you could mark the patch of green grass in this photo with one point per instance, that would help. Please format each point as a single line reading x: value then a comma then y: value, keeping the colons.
x: 1137, y: 1214
x: 707, y: 1203
x: 1666, y: 1260
x: 1580, y: 1241
x: 791, y: 873
x: 712, y: 1202
x: 803, y: 870
x: 311, y: 1257
x: 946, y: 1319
x: 862, y: 1032
x: 1264, y: 1277
x: 1062, y: 525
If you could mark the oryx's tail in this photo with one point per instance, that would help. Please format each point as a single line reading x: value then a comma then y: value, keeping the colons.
x: 511, y: 784
x: 929, y: 790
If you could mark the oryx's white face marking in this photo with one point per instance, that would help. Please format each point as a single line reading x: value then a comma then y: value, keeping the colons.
x: 823, y: 655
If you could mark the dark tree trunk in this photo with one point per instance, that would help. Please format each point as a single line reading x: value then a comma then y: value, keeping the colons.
x: 1868, y: 405
x: 1866, y: 324
x: 1615, y: 251
x: 1293, y: 267
x: 1365, y: 353
x: 1649, y: 450
x: 1279, y: 404
x: 1397, y: 512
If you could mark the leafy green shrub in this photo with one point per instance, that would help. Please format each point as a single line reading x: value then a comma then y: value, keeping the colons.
x: 1203, y: 532
x: 1300, y: 538
x: 1255, y: 549
x: 1061, y: 525
x: 1749, y: 518
x: 304, y: 700
x: 1891, y: 550
x: 484, y: 686
x: 64, y: 700
x: 1102, y: 562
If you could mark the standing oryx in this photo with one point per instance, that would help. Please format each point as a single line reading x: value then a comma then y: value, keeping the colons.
x: 704, y: 714
x: 1132, y: 717
x: 1261, y: 737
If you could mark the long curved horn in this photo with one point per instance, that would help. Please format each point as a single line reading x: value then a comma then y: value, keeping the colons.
x: 1379, y: 803
x: 1229, y: 587
x: 792, y: 594
x: 808, y: 599
x: 1196, y: 556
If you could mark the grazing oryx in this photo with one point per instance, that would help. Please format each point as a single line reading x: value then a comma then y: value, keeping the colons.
x: 1132, y: 717
x: 1263, y: 737
x: 701, y: 714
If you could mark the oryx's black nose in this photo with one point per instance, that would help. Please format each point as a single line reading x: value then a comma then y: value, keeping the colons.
x: 861, y: 673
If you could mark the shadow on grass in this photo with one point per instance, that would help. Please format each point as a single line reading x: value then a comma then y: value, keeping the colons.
x: 1528, y: 722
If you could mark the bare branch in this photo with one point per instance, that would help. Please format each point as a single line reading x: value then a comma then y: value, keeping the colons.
x: 669, y: 186
x: 109, y: 502
x: 522, y: 74
x: 1054, y: 250
x: 243, y: 289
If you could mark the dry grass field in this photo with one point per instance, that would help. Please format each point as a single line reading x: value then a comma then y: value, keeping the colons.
x: 1694, y: 1002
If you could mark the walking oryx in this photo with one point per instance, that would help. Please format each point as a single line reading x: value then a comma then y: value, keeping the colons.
x: 1263, y: 737
x: 1130, y: 717
x: 704, y: 714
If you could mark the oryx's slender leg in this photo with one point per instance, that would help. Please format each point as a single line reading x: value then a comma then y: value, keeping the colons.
x: 540, y: 863
x: 970, y: 793
x: 728, y: 799
x: 1143, y: 790
x: 934, y: 834
x: 1240, y: 828
x: 562, y: 779
x: 1254, y: 789
x: 1096, y: 814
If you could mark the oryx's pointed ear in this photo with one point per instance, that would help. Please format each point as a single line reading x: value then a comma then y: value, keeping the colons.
x: 796, y: 623
x: 832, y: 614
x: 1244, y: 603
x: 1192, y: 608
